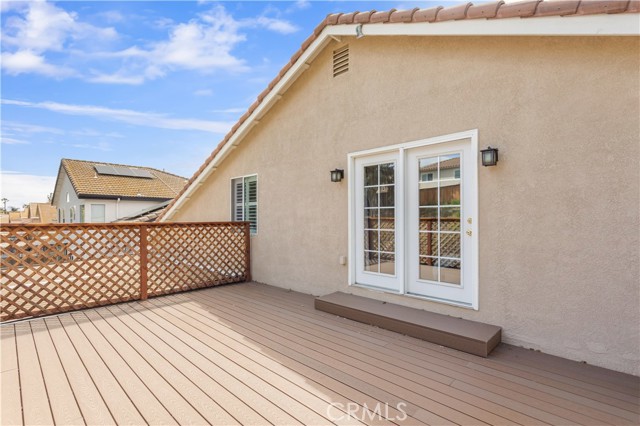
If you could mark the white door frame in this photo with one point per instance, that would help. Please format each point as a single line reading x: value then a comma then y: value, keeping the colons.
x: 472, y: 135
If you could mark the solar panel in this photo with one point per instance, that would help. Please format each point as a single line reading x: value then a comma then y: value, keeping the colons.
x: 104, y: 169
x: 124, y: 171
x: 142, y: 173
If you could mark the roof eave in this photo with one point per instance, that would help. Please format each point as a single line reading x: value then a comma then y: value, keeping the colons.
x: 620, y: 24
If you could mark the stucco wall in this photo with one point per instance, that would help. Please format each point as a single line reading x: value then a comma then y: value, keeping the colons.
x: 558, y: 219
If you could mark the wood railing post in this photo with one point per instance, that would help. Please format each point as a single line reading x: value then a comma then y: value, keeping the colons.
x: 247, y: 249
x: 144, y: 259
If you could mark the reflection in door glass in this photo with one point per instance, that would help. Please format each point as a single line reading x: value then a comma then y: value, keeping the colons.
x: 379, y: 219
x: 440, y: 235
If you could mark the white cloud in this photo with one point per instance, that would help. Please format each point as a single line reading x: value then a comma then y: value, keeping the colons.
x: 117, y: 78
x: 45, y: 27
x: 12, y: 141
x: 40, y: 27
x: 302, y: 4
x: 94, y: 133
x: 205, y: 44
x: 203, y: 92
x: 277, y: 25
x: 12, y: 127
x: 147, y: 119
x: 229, y: 110
x: 100, y: 146
x: 26, y: 61
x: 21, y: 188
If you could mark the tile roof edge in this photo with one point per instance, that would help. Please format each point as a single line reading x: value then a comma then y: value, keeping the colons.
x: 458, y: 12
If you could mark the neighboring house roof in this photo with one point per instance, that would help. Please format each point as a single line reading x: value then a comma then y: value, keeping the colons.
x: 88, y: 183
x: 147, y: 215
x: 46, y: 213
x: 452, y: 163
x: 495, y: 18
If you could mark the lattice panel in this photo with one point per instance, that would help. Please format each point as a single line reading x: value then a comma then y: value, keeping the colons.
x: 185, y: 257
x: 57, y: 268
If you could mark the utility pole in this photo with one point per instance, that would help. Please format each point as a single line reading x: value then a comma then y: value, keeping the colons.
x: 4, y: 202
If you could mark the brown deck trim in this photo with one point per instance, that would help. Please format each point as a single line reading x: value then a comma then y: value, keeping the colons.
x: 457, y: 333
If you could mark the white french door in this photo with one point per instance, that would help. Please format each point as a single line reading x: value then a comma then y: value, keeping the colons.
x: 414, y: 219
x: 377, y: 220
x: 440, y: 217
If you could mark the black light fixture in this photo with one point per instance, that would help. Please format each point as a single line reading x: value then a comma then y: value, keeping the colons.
x: 337, y: 175
x: 489, y: 156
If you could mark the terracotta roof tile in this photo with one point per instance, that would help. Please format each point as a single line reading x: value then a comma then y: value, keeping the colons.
x: 426, y: 15
x: 555, y: 8
x: 602, y: 6
x: 403, y: 15
x: 363, y: 17
x: 332, y: 19
x: 493, y: 10
x: 520, y: 9
x: 453, y: 13
x: 485, y: 10
x: 307, y: 42
x: 383, y: 16
x: 86, y: 181
x: 347, y: 18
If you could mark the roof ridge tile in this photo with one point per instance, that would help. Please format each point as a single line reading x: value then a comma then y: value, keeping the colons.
x: 485, y: 10
x: 403, y: 15
x: 520, y: 9
x: 426, y: 15
x: 453, y: 13
x: 382, y: 16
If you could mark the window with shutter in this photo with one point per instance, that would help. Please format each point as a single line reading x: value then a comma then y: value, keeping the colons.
x: 244, y: 197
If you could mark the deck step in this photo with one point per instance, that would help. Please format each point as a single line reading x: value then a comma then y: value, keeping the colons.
x: 468, y: 336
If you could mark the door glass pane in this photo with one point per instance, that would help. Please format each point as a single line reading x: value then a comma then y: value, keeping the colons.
x: 387, y: 263
x: 370, y: 175
x: 387, y: 196
x: 429, y: 268
x: 440, y: 214
x: 371, y: 261
x: 371, y: 218
x: 371, y: 197
x: 387, y: 174
x: 371, y: 240
x: 379, y: 218
x: 387, y: 218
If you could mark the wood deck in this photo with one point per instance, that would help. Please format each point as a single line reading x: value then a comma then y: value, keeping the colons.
x: 254, y: 354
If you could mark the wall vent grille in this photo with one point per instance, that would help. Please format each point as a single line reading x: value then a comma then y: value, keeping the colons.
x: 341, y: 61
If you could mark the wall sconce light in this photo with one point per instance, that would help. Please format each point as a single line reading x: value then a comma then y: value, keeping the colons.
x: 489, y: 156
x: 359, y: 33
x: 337, y: 175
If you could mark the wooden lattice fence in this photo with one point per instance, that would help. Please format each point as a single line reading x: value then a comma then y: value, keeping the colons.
x: 56, y: 268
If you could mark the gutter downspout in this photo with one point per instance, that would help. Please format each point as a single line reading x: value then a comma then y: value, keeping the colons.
x: 117, y: 209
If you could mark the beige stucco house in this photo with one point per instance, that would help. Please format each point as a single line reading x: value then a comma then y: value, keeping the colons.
x: 544, y: 243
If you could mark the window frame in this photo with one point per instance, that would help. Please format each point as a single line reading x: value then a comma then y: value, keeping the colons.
x: 105, y: 212
x: 231, y: 200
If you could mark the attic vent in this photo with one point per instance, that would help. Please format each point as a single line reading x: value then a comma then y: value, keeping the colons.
x: 341, y: 61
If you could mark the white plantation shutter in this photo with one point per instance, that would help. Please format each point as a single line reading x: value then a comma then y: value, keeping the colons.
x: 251, y: 202
x: 245, y: 201
x: 238, y: 200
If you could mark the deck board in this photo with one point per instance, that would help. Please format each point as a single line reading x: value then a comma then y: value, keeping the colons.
x: 255, y: 354
x: 497, y: 378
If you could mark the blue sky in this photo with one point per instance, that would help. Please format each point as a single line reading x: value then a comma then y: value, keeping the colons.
x: 143, y: 83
